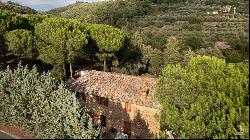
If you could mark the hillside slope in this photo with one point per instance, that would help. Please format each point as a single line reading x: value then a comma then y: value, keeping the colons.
x: 161, y: 18
x: 15, y: 7
x: 155, y: 21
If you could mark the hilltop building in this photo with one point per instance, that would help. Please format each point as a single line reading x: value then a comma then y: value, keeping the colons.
x: 226, y: 9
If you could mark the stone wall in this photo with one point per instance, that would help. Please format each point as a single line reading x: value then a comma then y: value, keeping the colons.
x: 143, y: 120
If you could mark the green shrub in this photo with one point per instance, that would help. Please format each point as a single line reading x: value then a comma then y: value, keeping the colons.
x: 57, y: 74
x: 156, y: 40
x: 194, y: 42
x: 156, y: 62
x: 43, y: 106
x: 190, y: 27
x: 208, y: 98
x: 170, y: 19
x: 240, y: 44
x: 195, y: 20
x: 233, y: 56
x: 211, y: 51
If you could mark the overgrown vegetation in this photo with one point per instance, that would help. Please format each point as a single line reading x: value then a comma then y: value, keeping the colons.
x: 201, y: 96
x: 157, y: 21
x: 43, y: 105
x: 59, y: 41
x: 208, y: 98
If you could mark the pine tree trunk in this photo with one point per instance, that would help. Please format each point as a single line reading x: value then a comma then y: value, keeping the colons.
x: 71, y: 71
x: 2, y: 51
x: 104, y: 65
x: 65, y: 70
x: 4, y: 58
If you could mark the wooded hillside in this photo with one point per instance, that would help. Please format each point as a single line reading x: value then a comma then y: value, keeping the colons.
x: 200, y: 25
x: 12, y: 6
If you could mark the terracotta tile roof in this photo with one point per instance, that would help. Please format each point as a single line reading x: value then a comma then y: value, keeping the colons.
x: 116, y: 87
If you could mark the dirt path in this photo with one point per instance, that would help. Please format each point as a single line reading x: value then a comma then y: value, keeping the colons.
x: 15, y: 131
x: 5, y: 136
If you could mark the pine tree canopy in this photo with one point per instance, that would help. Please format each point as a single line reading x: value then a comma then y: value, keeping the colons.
x: 208, y: 98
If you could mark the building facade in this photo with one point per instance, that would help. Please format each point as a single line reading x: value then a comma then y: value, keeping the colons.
x: 120, y: 103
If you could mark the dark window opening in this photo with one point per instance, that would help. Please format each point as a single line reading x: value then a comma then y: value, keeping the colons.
x: 102, y: 100
x: 127, y: 106
x: 78, y: 95
x: 103, y: 120
x: 81, y: 96
x: 84, y: 97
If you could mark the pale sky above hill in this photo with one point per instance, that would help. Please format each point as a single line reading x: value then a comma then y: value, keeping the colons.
x: 44, y: 5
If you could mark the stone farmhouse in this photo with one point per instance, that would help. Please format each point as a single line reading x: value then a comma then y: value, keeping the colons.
x: 120, y: 103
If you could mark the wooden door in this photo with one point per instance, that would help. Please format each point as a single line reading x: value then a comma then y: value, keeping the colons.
x: 103, y: 120
x: 127, y: 128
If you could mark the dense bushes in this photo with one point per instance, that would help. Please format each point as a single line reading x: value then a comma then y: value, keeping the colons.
x: 42, y: 105
x: 210, y: 51
x: 194, y: 42
x: 206, y: 99
x: 233, y: 56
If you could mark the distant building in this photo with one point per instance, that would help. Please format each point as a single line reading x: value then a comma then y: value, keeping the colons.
x: 223, y: 9
x: 226, y: 8
x: 120, y: 103
x: 215, y: 12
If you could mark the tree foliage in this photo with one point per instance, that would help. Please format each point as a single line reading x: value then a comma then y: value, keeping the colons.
x: 61, y: 41
x: 109, y: 40
x: 114, y: 13
x: 208, y: 98
x: 64, y: 40
x: 21, y: 42
x: 194, y: 42
x: 210, y: 51
x: 157, y: 59
x: 11, y: 21
x: 172, y: 51
x: 42, y: 105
